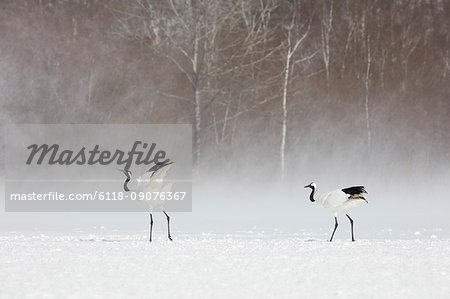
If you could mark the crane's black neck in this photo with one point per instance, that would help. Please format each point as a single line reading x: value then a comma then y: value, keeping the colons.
x: 125, y: 185
x: 311, y: 196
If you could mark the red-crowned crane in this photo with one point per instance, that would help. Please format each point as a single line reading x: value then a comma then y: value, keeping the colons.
x: 151, y: 181
x: 339, y: 201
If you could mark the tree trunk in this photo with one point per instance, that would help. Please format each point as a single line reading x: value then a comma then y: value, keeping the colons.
x: 197, y: 111
x: 284, y: 108
x: 327, y: 20
x: 366, y: 102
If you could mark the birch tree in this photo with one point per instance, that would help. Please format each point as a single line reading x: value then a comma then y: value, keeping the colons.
x: 292, y: 44
x: 214, y: 45
x: 325, y: 30
x: 368, y: 57
x: 184, y: 33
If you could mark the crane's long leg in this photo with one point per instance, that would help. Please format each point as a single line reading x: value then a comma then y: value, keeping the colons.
x: 168, y: 226
x: 151, y: 226
x: 351, y: 222
x: 335, y: 227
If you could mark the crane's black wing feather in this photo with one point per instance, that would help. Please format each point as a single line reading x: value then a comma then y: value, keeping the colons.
x: 354, y: 190
x: 159, y: 165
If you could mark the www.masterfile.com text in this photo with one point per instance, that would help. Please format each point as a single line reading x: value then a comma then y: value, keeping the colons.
x: 97, y: 195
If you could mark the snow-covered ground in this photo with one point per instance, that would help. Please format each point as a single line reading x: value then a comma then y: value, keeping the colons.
x: 221, y: 266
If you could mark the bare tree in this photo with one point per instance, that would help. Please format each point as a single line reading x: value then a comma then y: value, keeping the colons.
x: 368, y: 60
x: 185, y: 34
x: 366, y: 89
x: 292, y: 44
x: 325, y: 29
x: 215, y: 45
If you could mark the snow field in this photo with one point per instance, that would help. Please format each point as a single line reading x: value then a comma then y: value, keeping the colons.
x: 221, y: 266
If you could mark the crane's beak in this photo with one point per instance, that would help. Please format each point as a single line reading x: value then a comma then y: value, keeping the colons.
x: 307, y: 186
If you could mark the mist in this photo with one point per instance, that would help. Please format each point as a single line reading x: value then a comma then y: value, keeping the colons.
x: 281, y: 94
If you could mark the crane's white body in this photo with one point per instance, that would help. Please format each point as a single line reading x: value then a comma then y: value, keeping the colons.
x: 338, y: 201
x: 151, y: 181
x: 154, y: 182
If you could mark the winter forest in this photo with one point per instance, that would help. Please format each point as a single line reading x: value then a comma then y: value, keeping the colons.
x: 342, y: 95
x: 275, y: 87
